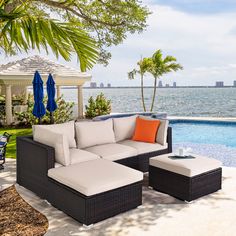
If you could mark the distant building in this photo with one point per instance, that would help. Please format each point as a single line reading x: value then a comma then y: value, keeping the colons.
x: 102, y: 85
x: 108, y: 85
x: 174, y: 85
x: 167, y: 85
x: 235, y: 83
x: 93, y: 85
x: 219, y: 84
x: 160, y: 84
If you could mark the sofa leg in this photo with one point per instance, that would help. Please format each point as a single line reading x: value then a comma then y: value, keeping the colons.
x: 189, y: 202
x: 87, y: 227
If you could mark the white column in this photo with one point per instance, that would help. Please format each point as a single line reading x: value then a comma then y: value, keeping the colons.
x: 8, y: 105
x: 58, y: 91
x: 26, y: 95
x: 80, y: 101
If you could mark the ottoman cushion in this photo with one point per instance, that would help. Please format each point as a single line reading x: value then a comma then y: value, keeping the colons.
x: 97, y: 176
x: 187, y: 167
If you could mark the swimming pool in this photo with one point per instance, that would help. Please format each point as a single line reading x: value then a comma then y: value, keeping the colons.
x: 215, y: 139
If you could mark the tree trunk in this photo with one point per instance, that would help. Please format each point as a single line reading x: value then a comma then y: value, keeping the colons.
x: 51, y: 118
x: 142, y: 94
x: 154, y: 94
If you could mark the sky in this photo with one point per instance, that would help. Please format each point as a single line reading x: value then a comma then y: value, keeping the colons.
x: 201, y: 34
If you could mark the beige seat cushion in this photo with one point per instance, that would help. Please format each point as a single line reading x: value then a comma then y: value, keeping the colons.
x: 93, y: 133
x: 161, y: 137
x: 113, y: 151
x: 78, y: 155
x: 187, y: 167
x: 56, y: 140
x: 124, y: 127
x: 93, y: 177
x: 68, y: 129
x: 143, y: 147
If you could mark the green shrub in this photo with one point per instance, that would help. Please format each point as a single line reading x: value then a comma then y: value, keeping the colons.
x: 97, y: 107
x: 2, y: 113
x: 62, y: 114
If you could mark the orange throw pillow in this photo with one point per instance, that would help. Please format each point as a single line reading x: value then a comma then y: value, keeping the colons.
x: 146, y: 130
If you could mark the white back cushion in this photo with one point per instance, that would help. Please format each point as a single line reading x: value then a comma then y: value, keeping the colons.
x: 56, y: 140
x: 68, y: 129
x: 161, y: 137
x: 162, y: 132
x: 124, y: 127
x: 94, y: 133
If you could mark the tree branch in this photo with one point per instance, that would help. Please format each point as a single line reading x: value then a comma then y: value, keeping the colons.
x: 79, y: 14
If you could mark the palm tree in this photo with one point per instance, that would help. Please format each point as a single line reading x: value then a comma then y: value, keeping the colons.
x: 144, y: 67
x: 20, y: 30
x: 161, y: 66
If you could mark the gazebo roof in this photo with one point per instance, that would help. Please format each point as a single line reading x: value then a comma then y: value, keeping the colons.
x: 21, y: 72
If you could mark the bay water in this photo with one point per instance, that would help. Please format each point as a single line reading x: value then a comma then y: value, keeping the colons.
x: 207, y: 102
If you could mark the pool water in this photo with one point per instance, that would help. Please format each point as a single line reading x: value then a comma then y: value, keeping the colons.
x: 213, y: 139
x: 205, y: 132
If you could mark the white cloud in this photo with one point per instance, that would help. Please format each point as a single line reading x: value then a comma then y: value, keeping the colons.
x: 203, y: 44
x: 197, y: 41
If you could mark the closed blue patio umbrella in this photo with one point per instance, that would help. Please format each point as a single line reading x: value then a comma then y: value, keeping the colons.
x: 39, y: 109
x: 51, y: 104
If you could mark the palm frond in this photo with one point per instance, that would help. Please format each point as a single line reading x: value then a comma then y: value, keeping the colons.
x: 132, y: 74
x: 20, y: 31
x: 168, y: 59
x: 172, y: 67
x: 145, y: 65
x: 163, y: 66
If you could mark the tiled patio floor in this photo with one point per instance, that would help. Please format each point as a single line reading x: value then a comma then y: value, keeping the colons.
x: 160, y: 214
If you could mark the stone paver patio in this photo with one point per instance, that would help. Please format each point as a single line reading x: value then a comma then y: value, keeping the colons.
x: 160, y: 214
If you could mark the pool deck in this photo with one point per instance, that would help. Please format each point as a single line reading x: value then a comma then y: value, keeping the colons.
x: 160, y: 214
x: 194, y: 118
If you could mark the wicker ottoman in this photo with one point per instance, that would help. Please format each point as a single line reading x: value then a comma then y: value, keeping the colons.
x: 185, y: 179
x: 95, y: 190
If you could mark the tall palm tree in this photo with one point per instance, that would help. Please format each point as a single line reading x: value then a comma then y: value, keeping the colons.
x: 20, y: 30
x: 144, y: 67
x: 161, y: 66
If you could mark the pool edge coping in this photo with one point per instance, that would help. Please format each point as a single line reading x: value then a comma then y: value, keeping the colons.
x: 193, y: 118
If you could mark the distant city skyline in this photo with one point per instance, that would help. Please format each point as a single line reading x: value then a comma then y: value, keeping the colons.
x: 101, y: 85
x: 218, y: 84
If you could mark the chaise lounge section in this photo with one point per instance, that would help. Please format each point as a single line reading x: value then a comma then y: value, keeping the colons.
x: 89, y: 170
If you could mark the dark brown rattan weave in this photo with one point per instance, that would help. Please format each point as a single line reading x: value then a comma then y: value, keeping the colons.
x: 183, y: 187
x: 92, y: 209
x: 35, y: 159
x: 33, y: 162
x: 141, y: 162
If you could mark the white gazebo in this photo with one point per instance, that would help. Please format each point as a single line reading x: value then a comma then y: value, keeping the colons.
x: 18, y: 75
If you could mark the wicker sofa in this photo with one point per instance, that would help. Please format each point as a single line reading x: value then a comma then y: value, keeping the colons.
x: 100, y: 178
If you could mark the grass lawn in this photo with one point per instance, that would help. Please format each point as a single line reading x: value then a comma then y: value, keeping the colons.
x: 11, y: 146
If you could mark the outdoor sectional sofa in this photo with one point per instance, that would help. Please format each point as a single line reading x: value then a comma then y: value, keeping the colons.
x: 89, y: 170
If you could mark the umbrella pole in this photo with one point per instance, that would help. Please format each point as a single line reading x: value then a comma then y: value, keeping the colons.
x: 40, y: 120
x: 51, y: 118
